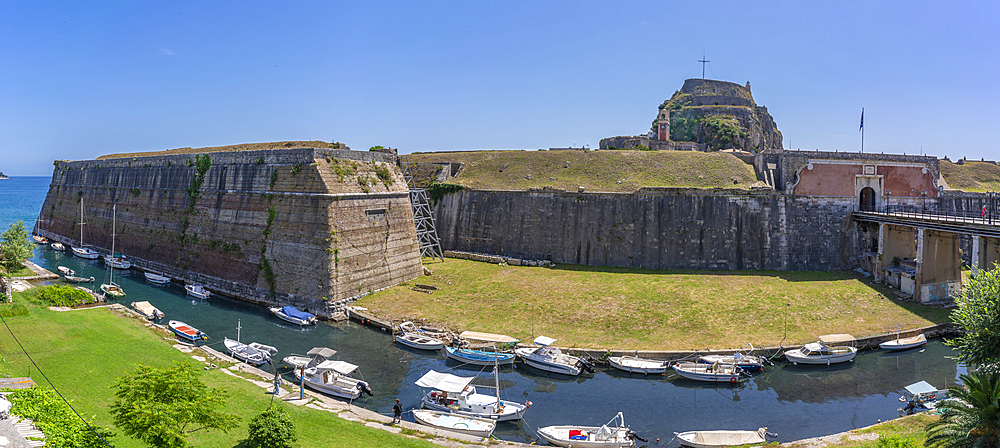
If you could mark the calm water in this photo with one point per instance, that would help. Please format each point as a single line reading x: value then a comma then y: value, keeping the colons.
x: 793, y: 401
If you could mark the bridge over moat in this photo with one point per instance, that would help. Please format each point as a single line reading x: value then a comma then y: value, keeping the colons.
x: 917, y: 250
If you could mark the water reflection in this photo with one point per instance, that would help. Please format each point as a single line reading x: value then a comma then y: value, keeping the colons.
x: 794, y: 401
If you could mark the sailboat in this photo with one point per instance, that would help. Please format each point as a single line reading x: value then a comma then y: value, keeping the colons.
x: 455, y: 395
x: 111, y: 288
x: 83, y: 251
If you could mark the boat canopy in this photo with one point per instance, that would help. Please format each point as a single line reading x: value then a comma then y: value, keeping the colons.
x: 922, y: 387
x: 343, y: 367
x: 544, y: 340
x: 322, y: 351
x: 144, y: 308
x: 835, y: 338
x: 815, y: 347
x: 444, y: 381
x: 294, y: 312
x: 488, y: 337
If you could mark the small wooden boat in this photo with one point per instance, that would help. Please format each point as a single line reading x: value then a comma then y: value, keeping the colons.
x: 479, y: 357
x: 198, y: 291
x: 148, y: 310
x: 155, y: 278
x: 40, y: 239
x: 904, y: 343
x: 72, y: 279
x: 612, y: 434
x: 252, y: 353
x: 185, y: 331
x: 719, y: 439
x: 57, y: 246
x: 635, y: 364
x: 65, y: 270
x: 112, y: 289
x: 473, y: 426
x: 117, y: 261
x: 749, y: 363
x: 819, y: 353
x: 551, y: 359
x: 294, y: 315
x: 410, y: 336
x: 718, y: 373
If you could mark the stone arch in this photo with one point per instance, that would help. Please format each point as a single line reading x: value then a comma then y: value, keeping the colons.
x: 866, y: 199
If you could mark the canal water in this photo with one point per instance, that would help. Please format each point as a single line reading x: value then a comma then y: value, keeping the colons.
x: 793, y: 401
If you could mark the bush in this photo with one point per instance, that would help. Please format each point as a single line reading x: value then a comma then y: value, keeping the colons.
x: 271, y: 428
x: 894, y: 441
x: 437, y: 190
x: 61, y: 426
x: 13, y: 309
x: 56, y: 295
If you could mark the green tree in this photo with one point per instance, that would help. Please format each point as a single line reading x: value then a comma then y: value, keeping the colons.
x: 272, y: 428
x: 978, y: 313
x: 161, y: 406
x: 15, y: 247
x: 973, y: 418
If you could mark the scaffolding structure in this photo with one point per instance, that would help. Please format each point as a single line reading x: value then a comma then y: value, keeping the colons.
x: 423, y: 219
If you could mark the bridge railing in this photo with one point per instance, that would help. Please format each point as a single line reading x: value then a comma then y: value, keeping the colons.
x: 985, y: 216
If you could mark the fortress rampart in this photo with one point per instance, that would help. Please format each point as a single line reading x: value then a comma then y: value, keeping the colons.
x: 306, y: 226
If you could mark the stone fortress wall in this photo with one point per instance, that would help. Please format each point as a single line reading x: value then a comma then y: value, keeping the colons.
x: 305, y: 226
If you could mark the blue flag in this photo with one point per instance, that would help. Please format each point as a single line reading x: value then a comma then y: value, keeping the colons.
x: 862, y: 119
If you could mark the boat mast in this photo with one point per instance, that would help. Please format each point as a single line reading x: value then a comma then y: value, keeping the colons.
x: 81, y: 222
x: 114, y: 217
x: 496, y: 374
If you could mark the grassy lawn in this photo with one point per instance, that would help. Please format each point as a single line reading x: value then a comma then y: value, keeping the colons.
x: 971, y: 176
x: 600, y: 307
x: 605, y: 171
x: 910, y: 427
x: 84, y: 351
x: 23, y: 272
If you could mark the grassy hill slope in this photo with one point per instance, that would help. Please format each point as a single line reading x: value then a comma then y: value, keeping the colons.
x: 605, y: 171
x: 240, y: 147
x: 971, y: 176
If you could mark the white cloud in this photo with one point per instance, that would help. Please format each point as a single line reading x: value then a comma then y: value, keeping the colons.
x: 166, y: 51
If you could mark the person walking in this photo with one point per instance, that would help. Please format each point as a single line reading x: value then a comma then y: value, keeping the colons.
x: 397, y: 412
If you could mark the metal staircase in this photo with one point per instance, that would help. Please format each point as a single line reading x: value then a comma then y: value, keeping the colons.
x: 430, y: 244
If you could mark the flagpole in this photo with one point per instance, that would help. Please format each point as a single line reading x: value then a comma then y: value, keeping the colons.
x: 862, y: 130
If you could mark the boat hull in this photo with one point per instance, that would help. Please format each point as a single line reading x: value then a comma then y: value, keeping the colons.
x: 419, y: 342
x: 58, y: 247
x: 350, y: 389
x: 703, y: 372
x: 560, y: 435
x: 719, y: 439
x: 245, y: 353
x: 795, y: 357
x: 479, y: 358
x: 748, y: 363
x: 85, y: 253
x: 511, y: 411
x: 200, y: 294
x: 185, y: 331
x: 904, y: 344
x: 532, y: 359
x: 156, y: 278
x: 638, y: 365
x: 479, y: 427
x: 113, y: 290
x: 280, y: 314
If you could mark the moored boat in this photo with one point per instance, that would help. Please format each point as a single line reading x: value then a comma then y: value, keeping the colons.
x: 749, y: 363
x: 155, y: 278
x: 294, y: 315
x: 474, y: 426
x: 716, y: 372
x: 479, y: 357
x: 198, y: 291
x: 117, y: 261
x: 57, y: 246
x: 551, y: 359
x: 65, y: 270
x: 147, y: 309
x: 921, y: 396
x: 719, y: 439
x: 40, y: 239
x: 252, y: 353
x: 327, y: 376
x: 112, y: 289
x: 82, y: 250
x: 634, y: 364
x: 612, y: 434
x: 72, y: 279
x: 185, y: 331
x: 410, y: 336
x: 904, y: 343
x: 820, y: 353
x: 456, y: 394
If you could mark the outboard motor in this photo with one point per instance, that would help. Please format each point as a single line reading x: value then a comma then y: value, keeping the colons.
x: 365, y: 388
x: 586, y: 365
x: 631, y: 435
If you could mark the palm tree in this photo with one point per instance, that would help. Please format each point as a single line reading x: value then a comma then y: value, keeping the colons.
x: 972, y: 419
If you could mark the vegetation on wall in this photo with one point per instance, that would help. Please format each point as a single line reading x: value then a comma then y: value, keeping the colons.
x: 722, y: 131
x: 437, y: 190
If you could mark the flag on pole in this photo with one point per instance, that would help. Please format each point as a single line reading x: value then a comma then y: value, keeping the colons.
x: 862, y: 119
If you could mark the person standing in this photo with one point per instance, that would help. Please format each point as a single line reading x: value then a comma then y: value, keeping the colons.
x: 397, y: 412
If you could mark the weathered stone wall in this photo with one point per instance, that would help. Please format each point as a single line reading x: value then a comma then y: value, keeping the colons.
x: 305, y: 226
x: 658, y: 228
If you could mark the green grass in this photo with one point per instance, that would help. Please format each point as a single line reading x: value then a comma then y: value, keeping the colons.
x: 908, y: 428
x: 643, y: 309
x: 22, y: 272
x: 971, y: 176
x: 240, y: 147
x: 604, y: 171
x: 84, y: 351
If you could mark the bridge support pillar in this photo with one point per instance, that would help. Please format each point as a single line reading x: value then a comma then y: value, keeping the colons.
x: 893, y: 242
x: 985, y: 253
x: 939, y: 273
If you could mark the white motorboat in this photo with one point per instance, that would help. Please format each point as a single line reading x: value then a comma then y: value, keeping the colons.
x: 611, y: 434
x: 315, y: 356
x: 716, y: 372
x: 455, y: 394
x: 331, y: 377
x: 198, y: 291
x: 72, y: 279
x: 111, y: 288
x: 719, y: 439
x: 548, y: 358
x: 65, y: 270
x: 82, y: 250
x: 40, y: 239
x: 743, y: 360
x: 904, y: 343
x: 921, y: 396
x: 57, y: 246
x: 635, y: 364
x: 473, y: 426
x: 117, y: 261
x: 411, y: 336
x: 821, y: 353
x: 252, y: 353
x: 294, y: 315
x: 147, y: 309
x: 155, y: 278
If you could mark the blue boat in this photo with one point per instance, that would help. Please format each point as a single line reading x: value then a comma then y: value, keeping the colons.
x: 293, y: 315
x: 479, y: 357
x: 185, y: 331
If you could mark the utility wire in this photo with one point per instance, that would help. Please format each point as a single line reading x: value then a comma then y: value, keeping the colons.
x: 39, y: 369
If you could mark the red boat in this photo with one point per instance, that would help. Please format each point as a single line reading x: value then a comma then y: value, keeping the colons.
x: 185, y: 331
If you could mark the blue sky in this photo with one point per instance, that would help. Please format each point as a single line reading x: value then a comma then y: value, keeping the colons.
x: 81, y: 79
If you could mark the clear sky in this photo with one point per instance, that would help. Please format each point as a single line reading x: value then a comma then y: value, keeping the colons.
x: 82, y: 79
